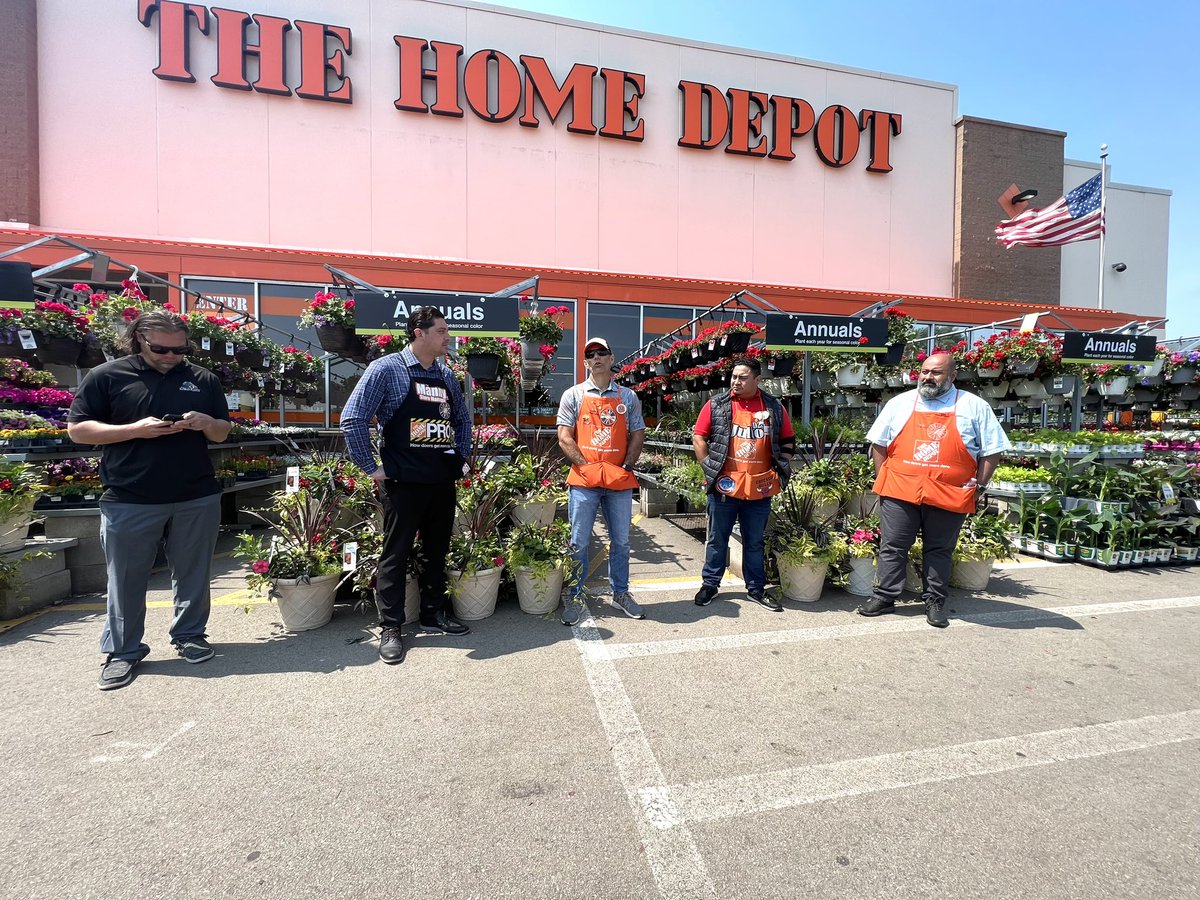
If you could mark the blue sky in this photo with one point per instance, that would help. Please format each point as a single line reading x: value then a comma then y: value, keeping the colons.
x: 1120, y: 73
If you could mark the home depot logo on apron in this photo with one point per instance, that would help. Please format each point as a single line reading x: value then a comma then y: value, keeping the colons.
x: 928, y: 463
x: 602, y: 433
x: 747, y: 473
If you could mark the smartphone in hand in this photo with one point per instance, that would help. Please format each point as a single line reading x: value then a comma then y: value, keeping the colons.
x: 172, y: 417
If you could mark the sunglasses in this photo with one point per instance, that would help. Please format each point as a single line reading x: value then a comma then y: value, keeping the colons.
x: 159, y: 348
x: 592, y: 354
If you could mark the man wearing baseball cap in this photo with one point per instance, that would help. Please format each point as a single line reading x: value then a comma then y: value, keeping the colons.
x: 600, y: 430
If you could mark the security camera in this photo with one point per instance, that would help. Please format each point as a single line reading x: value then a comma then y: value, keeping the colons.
x: 1119, y: 267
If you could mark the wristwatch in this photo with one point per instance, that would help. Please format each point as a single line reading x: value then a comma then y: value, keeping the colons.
x: 627, y: 467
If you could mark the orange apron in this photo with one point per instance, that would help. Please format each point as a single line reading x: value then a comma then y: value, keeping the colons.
x: 928, y: 464
x: 747, y: 473
x: 602, y: 433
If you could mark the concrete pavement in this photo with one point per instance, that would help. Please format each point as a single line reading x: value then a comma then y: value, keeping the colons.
x: 1045, y: 745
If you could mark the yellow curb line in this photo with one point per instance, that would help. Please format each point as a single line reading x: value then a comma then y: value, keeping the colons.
x: 237, y: 598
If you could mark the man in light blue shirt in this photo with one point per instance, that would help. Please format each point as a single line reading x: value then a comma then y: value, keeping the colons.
x: 933, y: 448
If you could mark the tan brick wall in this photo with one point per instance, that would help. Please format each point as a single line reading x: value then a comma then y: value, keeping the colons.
x: 989, y: 156
x: 19, y: 112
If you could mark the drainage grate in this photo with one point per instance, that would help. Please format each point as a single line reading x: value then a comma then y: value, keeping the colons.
x: 695, y: 525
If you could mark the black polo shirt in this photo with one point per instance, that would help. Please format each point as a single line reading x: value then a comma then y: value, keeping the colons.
x: 169, y: 469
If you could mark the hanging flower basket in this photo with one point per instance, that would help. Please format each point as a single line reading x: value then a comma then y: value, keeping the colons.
x: 894, y: 354
x: 336, y: 338
x: 1184, y: 375
x: 1029, y: 387
x: 733, y: 344
x: 997, y: 390
x: 782, y: 366
x: 985, y: 372
x: 1113, y: 387
x: 852, y: 375
x: 53, y: 350
x: 1060, y: 384
x: 1022, y: 366
x: 484, y: 367
x: 91, y: 355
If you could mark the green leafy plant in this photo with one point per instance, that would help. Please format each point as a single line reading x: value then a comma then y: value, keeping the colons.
x: 687, y: 479
x: 304, y: 540
x: 799, y: 533
x: 19, y: 486
x: 541, y: 548
x: 544, y: 326
x: 984, y: 535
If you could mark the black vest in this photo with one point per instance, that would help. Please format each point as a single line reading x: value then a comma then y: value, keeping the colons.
x: 418, y: 440
x: 721, y: 407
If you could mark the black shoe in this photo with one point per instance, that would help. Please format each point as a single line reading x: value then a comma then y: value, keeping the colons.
x: 935, y: 613
x: 445, y: 623
x: 195, y: 650
x: 391, y: 647
x: 116, y: 673
x: 705, y: 595
x: 765, y: 599
x: 876, y: 607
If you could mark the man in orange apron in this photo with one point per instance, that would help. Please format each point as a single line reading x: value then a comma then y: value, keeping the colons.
x: 933, y: 449
x: 742, y: 439
x: 600, y: 431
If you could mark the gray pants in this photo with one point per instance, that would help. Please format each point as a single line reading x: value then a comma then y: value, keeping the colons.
x: 130, y: 534
x: 899, y: 524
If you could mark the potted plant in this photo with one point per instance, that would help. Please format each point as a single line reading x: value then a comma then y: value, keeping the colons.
x: 110, y: 315
x: 900, y: 330
x: 11, y: 323
x: 487, y: 360
x: 803, y: 543
x: 541, y: 332
x: 858, y: 476
x: 823, y: 479
x: 19, y: 484
x: 333, y: 318
x: 476, y: 560
x: 984, y: 538
x: 862, y: 551
x: 301, y: 562
x: 539, y: 556
x: 535, y: 484
x: 59, y: 331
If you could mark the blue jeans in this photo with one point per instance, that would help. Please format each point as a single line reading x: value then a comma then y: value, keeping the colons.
x: 130, y: 534
x: 752, y: 515
x: 582, y: 504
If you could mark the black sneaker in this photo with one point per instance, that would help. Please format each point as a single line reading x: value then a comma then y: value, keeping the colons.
x: 391, y: 647
x: 705, y: 595
x: 195, y: 650
x: 764, y: 599
x: 935, y: 613
x: 116, y: 673
x: 876, y: 607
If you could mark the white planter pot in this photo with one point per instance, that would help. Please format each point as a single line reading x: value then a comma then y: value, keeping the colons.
x: 994, y: 391
x: 531, y: 352
x: 536, y: 513
x: 13, y: 531
x: 913, y: 582
x: 1113, y: 387
x: 971, y: 575
x: 853, y: 400
x: 538, y: 594
x: 1154, y: 368
x: 983, y: 372
x: 1022, y: 366
x: 876, y: 382
x: 802, y: 583
x: 862, y: 577
x: 852, y: 375
x: 474, y: 596
x: 1029, y: 387
x: 895, y: 381
x: 862, y: 505
x: 304, y: 607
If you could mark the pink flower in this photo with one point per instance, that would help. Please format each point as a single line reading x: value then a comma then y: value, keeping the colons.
x: 130, y: 313
x: 81, y: 288
x: 261, y: 567
x: 349, y: 304
x: 498, y: 560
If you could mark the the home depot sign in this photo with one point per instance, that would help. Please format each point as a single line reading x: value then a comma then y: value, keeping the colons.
x: 437, y: 78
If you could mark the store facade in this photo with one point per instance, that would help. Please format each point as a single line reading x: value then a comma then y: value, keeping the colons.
x: 451, y: 147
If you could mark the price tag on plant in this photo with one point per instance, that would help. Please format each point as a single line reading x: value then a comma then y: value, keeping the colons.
x: 229, y: 348
x: 206, y: 344
x: 291, y: 483
x: 28, y: 342
x: 349, y: 556
x: 1168, y: 492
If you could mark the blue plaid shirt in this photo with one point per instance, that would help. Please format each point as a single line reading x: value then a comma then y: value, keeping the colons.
x: 381, y: 392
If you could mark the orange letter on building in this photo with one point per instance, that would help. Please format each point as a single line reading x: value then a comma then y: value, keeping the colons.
x: 883, y: 126
x: 695, y: 95
x: 793, y: 117
x: 576, y: 87
x: 744, y: 124
x: 314, y: 62
x: 232, y: 50
x: 173, y: 61
x: 836, y: 136
x: 617, y: 107
x: 444, y: 76
x: 476, y: 77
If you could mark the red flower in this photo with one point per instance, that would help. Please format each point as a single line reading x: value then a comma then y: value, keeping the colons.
x: 863, y: 340
x: 81, y: 288
x: 349, y: 304
x: 5, y: 485
x: 498, y: 560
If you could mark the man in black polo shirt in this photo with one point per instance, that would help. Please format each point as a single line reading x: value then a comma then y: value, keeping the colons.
x: 154, y: 414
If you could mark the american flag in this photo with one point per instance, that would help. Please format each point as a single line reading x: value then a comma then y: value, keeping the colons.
x: 1075, y: 217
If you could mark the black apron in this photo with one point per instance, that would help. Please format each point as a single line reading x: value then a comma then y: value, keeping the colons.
x: 418, y: 440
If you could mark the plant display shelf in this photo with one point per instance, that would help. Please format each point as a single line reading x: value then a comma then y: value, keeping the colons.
x: 1011, y: 490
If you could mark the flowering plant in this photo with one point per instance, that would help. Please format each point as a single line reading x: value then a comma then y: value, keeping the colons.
x: 45, y: 396
x: 383, y: 344
x: 328, y: 308
x: 56, y: 319
x: 862, y: 542
x: 304, y: 543
x: 1181, y: 360
x: 111, y: 314
x: 18, y: 372
x: 480, y: 511
x: 1004, y: 348
x: 733, y: 326
x: 900, y: 327
x: 11, y: 321
x: 19, y: 485
x: 531, y: 478
x: 300, y: 365
x: 545, y: 327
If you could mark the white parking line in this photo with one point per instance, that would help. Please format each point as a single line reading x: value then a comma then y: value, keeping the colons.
x: 749, y: 794
x: 885, y: 625
x: 671, y: 853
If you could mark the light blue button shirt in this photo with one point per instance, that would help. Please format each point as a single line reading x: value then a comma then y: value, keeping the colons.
x: 977, y: 425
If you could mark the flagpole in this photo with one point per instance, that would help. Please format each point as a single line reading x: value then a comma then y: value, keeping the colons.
x: 1103, y: 180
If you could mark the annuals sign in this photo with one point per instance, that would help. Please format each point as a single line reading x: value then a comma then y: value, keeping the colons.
x: 1099, y: 347
x: 439, y: 78
x: 826, y: 333
x: 469, y: 314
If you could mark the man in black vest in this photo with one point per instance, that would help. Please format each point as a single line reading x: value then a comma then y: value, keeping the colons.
x: 426, y: 429
x: 743, y: 440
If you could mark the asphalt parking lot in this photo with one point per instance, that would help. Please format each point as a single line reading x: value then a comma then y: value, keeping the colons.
x: 1045, y: 745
